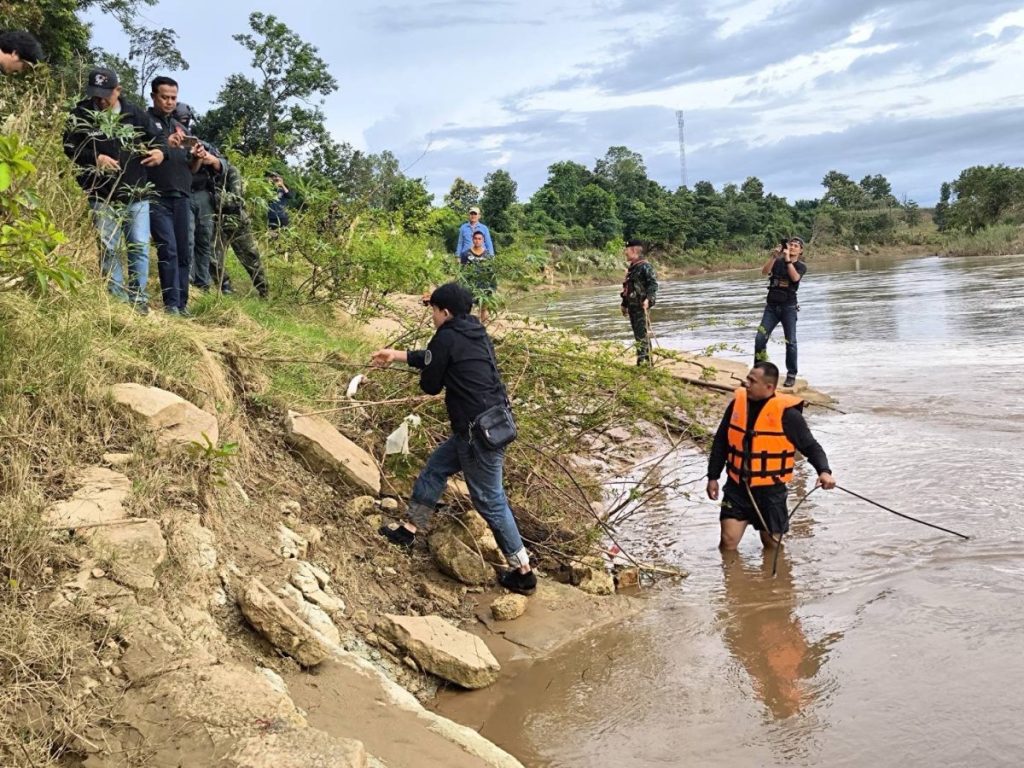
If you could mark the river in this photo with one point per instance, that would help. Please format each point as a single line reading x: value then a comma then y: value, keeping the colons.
x: 880, y: 642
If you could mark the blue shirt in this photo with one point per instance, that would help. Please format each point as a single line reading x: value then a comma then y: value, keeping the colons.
x: 466, y: 237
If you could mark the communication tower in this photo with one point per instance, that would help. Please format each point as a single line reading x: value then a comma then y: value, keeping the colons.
x: 682, y: 146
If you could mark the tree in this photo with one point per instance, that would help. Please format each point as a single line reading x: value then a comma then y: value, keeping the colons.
x: 595, y: 211
x: 410, y: 201
x: 841, y: 191
x: 273, y: 114
x: 151, y: 50
x: 752, y: 188
x: 942, y: 207
x: 462, y: 196
x: 878, y: 190
x: 623, y: 173
x: 983, y: 195
x: 497, y: 201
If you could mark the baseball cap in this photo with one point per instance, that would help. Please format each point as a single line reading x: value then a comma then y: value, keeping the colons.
x: 453, y: 297
x: 796, y: 240
x: 101, y: 82
x: 474, y: 209
x: 634, y: 242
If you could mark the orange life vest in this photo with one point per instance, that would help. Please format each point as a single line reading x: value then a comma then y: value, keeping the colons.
x: 761, y: 456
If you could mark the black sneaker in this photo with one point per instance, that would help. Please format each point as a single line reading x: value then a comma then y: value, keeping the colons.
x: 522, y: 583
x: 399, y: 536
x: 790, y: 381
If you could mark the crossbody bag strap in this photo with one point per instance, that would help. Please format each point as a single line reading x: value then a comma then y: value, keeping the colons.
x: 494, y: 367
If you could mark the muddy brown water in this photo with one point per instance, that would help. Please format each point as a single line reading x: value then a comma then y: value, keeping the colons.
x: 880, y: 642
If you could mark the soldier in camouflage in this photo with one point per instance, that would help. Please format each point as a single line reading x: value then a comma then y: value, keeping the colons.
x: 639, y: 290
x: 234, y: 229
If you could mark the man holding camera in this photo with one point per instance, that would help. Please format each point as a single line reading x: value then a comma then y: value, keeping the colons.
x: 784, y: 270
x: 460, y: 360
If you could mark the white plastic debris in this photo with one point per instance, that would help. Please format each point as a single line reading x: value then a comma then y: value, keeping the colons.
x: 353, y: 386
x: 398, y: 441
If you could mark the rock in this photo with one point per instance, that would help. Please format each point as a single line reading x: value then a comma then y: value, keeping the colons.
x: 305, y: 748
x: 304, y: 579
x: 276, y: 681
x: 375, y: 522
x: 594, y: 581
x: 289, y: 543
x: 441, y: 594
x: 194, y: 544
x: 464, y: 547
x: 455, y: 559
x: 135, y: 552
x: 98, y: 499
x: 281, y: 626
x: 627, y: 577
x: 442, y: 650
x: 312, y: 583
x: 619, y: 434
x: 290, y: 507
x: 389, y: 505
x: 175, y: 420
x: 458, y: 487
x: 508, y: 607
x: 326, y: 449
x: 116, y: 459
x: 360, y: 506
x: 312, y: 614
x: 98, y: 573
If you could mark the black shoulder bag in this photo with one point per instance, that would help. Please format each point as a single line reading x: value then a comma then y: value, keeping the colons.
x: 495, y: 427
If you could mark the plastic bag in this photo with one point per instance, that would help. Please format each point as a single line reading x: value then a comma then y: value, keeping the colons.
x: 398, y: 441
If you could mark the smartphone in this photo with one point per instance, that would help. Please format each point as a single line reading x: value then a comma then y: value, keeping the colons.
x: 189, y: 142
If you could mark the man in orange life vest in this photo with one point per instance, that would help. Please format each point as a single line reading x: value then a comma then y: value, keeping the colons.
x: 757, y: 443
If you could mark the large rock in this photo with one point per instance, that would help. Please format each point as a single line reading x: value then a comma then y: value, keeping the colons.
x: 306, y: 748
x: 442, y: 649
x: 464, y: 547
x: 509, y: 607
x: 135, y: 550
x: 98, y: 499
x: 281, y: 626
x: 327, y: 450
x: 175, y: 420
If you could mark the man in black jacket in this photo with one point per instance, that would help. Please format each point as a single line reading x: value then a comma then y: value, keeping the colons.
x: 757, y: 442
x: 170, y: 212
x: 460, y: 360
x: 114, y: 144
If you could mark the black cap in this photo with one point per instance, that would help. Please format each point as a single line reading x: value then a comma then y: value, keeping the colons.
x: 453, y: 297
x: 101, y: 82
x: 633, y: 242
x: 183, y: 113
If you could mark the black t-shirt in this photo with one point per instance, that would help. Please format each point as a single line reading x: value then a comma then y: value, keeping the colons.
x: 782, y: 290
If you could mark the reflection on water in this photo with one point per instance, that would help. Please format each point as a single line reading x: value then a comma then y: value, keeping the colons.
x: 880, y: 642
x: 763, y: 631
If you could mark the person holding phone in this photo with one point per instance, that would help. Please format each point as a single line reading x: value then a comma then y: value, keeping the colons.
x: 170, y: 213
x: 785, y: 269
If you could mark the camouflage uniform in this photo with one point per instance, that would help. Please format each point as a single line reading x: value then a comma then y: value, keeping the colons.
x: 234, y: 228
x: 640, y: 283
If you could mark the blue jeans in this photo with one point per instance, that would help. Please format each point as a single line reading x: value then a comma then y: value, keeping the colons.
x: 169, y: 218
x: 483, y: 470
x: 773, y: 315
x: 125, y: 226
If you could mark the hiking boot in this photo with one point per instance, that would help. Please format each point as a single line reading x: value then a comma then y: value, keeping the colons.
x: 521, y: 583
x: 226, y: 289
x: 141, y: 307
x: 400, y: 536
x: 790, y: 380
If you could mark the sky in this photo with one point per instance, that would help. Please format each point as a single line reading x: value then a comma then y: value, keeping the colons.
x: 916, y: 90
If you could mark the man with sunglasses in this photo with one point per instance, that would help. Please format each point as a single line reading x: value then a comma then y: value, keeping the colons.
x: 784, y: 270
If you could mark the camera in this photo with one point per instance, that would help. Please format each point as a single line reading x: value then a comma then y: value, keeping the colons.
x: 784, y: 242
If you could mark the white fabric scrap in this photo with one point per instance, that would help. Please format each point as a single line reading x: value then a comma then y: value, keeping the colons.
x: 353, y: 386
x: 398, y: 441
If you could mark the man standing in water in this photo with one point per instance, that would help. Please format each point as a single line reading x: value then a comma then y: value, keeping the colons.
x: 460, y: 360
x: 639, y: 290
x: 785, y: 269
x: 757, y: 442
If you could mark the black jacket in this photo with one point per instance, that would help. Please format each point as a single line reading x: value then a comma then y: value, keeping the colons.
x: 83, y: 142
x: 459, y: 360
x: 173, y: 176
